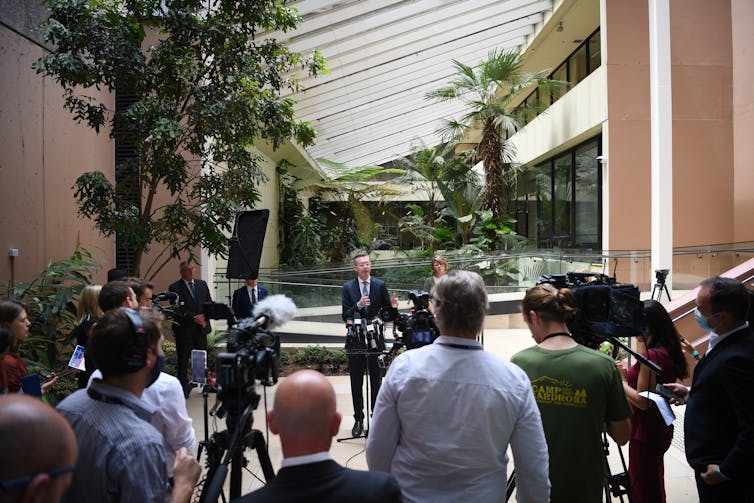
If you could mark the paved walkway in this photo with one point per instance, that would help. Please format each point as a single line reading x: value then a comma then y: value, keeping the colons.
x: 680, y: 486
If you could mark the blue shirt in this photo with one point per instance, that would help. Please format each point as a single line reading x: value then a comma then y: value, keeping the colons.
x: 121, y: 456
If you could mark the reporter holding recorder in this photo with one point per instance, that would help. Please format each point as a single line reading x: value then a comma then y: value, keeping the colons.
x: 650, y: 436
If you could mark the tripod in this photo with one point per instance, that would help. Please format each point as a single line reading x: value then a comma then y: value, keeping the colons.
x: 618, y: 484
x: 231, y: 443
x: 659, y: 287
x: 365, y: 356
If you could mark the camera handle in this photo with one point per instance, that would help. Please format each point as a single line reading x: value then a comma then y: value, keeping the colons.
x: 650, y: 365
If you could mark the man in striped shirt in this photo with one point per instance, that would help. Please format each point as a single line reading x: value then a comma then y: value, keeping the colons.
x: 121, y: 455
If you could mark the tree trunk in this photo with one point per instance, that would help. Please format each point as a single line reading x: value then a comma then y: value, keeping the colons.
x: 491, y: 152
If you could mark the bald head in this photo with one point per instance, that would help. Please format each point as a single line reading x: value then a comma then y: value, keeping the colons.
x: 304, y: 414
x: 40, y: 441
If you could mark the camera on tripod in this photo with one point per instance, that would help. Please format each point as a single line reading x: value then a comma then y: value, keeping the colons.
x: 251, y: 354
x: 604, y: 306
x: 417, y: 328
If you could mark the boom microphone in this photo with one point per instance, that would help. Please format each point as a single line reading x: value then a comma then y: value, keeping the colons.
x: 269, y: 313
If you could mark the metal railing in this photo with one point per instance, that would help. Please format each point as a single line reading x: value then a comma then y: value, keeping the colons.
x: 505, y: 271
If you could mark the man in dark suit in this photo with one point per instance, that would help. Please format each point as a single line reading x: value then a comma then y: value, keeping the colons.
x: 190, y: 327
x: 365, y: 296
x: 304, y: 415
x: 719, y: 418
x: 246, y: 297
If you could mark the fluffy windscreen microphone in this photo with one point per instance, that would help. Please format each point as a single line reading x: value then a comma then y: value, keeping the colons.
x: 270, y: 313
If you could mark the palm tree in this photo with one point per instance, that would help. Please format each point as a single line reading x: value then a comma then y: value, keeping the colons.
x: 351, y: 186
x: 489, y: 91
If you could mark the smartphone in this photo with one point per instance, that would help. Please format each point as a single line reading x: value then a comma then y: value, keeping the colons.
x: 668, y: 393
x: 199, y: 366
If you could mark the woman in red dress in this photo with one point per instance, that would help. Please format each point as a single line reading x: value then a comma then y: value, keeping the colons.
x: 650, y: 436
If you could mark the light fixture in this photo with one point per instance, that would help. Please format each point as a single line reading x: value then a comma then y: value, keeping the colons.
x: 560, y: 26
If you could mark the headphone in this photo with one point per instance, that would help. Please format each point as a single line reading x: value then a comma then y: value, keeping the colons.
x: 135, y: 356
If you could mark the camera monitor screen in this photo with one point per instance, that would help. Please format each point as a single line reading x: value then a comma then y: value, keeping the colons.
x: 418, y: 338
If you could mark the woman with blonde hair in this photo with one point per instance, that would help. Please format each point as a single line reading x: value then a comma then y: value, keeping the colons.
x: 88, y: 311
x: 439, y: 268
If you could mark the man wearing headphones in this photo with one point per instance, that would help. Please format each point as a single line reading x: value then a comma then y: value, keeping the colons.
x: 121, y: 455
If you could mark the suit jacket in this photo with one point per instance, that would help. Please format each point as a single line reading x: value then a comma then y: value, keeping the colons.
x: 184, y: 317
x: 378, y: 296
x: 242, y: 307
x: 719, y: 418
x: 327, y: 482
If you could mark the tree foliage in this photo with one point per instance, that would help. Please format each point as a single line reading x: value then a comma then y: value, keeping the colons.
x: 489, y: 92
x: 206, y: 87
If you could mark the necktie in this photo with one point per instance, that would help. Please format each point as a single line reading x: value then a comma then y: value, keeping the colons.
x: 193, y: 289
x: 365, y: 288
x: 253, y: 296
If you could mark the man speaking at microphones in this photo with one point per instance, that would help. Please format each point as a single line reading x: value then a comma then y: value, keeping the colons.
x: 363, y: 297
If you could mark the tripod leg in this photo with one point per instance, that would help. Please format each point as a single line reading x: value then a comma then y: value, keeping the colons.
x: 264, y: 457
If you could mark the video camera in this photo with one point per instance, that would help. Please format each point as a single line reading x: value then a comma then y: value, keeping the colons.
x: 605, y: 307
x: 252, y: 353
x: 167, y: 303
x: 417, y: 328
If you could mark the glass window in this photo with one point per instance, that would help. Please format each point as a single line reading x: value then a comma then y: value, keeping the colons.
x: 560, y: 73
x: 595, y: 56
x: 577, y: 70
x: 562, y: 202
x: 587, y: 197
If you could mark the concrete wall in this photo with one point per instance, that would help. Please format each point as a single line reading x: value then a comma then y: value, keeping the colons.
x: 742, y: 15
x: 702, y: 122
x: 42, y: 153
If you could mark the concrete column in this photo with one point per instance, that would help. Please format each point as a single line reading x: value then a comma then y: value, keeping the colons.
x: 661, y: 113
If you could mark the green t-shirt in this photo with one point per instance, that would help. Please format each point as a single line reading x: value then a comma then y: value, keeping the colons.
x: 578, y: 390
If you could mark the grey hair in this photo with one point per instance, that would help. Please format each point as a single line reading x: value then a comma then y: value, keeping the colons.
x: 460, y: 300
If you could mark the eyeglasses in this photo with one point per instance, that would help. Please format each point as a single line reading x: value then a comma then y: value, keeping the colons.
x: 362, y: 264
x: 17, y: 483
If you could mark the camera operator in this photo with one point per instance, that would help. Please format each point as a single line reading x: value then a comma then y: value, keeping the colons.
x: 579, y: 392
x: 447, y: 411
x: 364, y: 295
x: 121, y: 455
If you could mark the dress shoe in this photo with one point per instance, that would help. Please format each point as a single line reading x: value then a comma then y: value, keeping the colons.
x: 358, y: 429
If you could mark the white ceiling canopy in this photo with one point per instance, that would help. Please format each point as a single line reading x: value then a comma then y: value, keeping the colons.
x: 384, y: 56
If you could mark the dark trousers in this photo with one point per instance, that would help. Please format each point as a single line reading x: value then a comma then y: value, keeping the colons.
x: 647, y: 472
x: 184, y: 343
x: 733, y: 490
x: 356, y: 372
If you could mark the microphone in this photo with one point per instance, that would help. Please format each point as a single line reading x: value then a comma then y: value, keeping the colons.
x: 269, y: 313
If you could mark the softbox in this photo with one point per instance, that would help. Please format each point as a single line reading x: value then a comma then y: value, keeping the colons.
x: 245, y: 250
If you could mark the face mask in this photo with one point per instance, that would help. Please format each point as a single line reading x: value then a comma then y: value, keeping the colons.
x: 702, y: 321
x: 159, y: 366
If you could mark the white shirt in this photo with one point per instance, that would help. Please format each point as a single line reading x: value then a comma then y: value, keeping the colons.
x: 442, y: 424
x: 170, y: 418
x: 715, y: 339
x: 305, y: 460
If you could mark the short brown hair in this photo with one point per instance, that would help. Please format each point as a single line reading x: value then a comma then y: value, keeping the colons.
x: 114, y: 340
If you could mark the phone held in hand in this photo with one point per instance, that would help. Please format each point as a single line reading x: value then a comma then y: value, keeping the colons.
x: 668, y: 393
